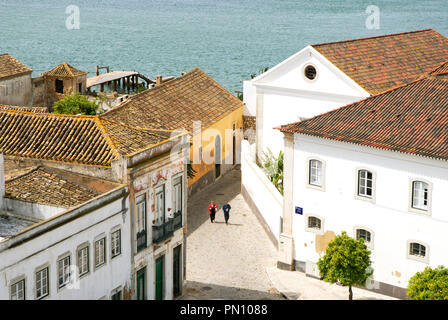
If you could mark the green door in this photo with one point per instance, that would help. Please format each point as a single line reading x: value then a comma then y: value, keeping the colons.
x: 141, y: 284
x: 159, y: 278
x: 177, y: 270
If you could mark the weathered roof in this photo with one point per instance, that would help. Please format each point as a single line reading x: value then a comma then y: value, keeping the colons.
x: 10, y: 66
x: 442, y: 69
x: 411, y: 119
x: 55, y: 187
x: 89, y: 140
x: 26, y: 109
x: 381, y: 63
x: 175, y: 104
x: 64, y: 70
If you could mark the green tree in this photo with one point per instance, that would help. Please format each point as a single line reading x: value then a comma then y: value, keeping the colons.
x: 430, y: 284
x: 76, y: 104
x: 273, y: 167
x: 346, y: 261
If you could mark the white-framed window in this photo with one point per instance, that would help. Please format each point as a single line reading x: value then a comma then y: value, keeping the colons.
x: 314, y: 223
x: 310, y: 72
x: 177, y: 194
x: 420, y: 195
x: 63, y: 271
x: 363, y: 234
x: 100, y: 252
x: 42, y: 283
x: 18, y: 290
x: 365, y: 183
x: 83, y: 260
x: 315, y: 176
x: 115, y: 242
x: 160, y: 204
x: 417, y: 249
x: 141, y: 212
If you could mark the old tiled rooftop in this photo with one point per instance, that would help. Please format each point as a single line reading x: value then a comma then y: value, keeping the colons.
x: 411, y: 119
x: 195, y: 96
x: 381, y: 63
x: 26, y: 109
x: 55, y: 187
x: 10, y: 66
x: 64, y: 70
x: 88, y: 140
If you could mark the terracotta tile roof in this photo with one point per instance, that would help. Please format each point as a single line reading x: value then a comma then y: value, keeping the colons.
x: 26, y: 109
x: 411, y: 119
x: 175, y: 104
x: 381, y: 63
x: 442, y: 69
x: 89, y: 140
x: 64, y: 70
x: 54, y: 187
x: 10, y: 66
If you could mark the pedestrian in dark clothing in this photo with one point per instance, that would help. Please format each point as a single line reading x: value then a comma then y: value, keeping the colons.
x: 226, y: 208
x: 212, y: 208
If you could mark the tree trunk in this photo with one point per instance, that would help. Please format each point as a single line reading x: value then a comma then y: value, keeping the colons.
x: 350, y: 293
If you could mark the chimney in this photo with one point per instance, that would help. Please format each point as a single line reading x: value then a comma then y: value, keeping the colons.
x: 2, y: 182
x: 158, y: 80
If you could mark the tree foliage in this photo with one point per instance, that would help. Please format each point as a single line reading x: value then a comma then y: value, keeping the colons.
x: 430, y: 284
x: 273, y: 167
x: 346, y: 261
x: 76, y: 104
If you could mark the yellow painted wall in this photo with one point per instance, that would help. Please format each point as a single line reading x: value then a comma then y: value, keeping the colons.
x: 226, y: 148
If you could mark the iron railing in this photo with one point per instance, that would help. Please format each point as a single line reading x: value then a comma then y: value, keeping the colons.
x: 141, y: 240
x: 177, y: 220
x: 162, y: 231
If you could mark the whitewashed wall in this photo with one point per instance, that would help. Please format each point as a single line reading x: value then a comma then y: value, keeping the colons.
x: 264, y: 195
x: 389, y: 218
x: 23, y: 259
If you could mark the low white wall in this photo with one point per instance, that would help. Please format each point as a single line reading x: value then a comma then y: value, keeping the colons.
x: 261, y: 191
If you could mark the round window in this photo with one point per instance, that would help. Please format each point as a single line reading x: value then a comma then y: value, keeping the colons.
x: 310, y: 72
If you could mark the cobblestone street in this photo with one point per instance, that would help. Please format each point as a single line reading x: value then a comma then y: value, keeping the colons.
x: 227, y: 261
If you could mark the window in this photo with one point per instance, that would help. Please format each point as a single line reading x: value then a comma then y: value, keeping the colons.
x: 80, y: 87
x: 59, y: 85
x: 100, y: 252
x: 42, y: 283
x: 364, y: 234
x: 420, y: 195
x: 365, y: 183
x: 18, y: 290
x: 315, y: 176
x: 115, y: 240
x: 310, y: 72
x: 314, y: 223
x: 160, y: 205
x: 63, y: 271
x: 177, y: 193
x: 83, y: 260
x: 141, y: 221
x: 417, y: 249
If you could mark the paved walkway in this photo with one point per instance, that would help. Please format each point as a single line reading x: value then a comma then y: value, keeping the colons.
x: 297, y: 286
x: 238, y: 261
x: 227, y: 261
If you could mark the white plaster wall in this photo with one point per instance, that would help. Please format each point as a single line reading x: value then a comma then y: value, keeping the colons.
x: 30, y: 209
x: 46, y: 248
x: 289, y: 96
x: 249, y: 99
x: 17, y: 91
x: 265, y: 196
x: 389, y: 218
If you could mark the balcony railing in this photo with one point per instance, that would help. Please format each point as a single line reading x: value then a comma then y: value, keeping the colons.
x: 162, y: 231
x: 141, y: 240
x: 177, y: 220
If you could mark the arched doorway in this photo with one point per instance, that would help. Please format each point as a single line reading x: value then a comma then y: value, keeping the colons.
x: 217, y: 156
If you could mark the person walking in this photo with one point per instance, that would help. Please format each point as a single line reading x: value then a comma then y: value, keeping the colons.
x: 212, y: 208
x: 226, y: 208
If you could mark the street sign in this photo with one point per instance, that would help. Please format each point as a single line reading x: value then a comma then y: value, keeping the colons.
x: 299, y: 210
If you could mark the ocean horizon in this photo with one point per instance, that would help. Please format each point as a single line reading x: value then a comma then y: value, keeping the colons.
x: 229, y: 39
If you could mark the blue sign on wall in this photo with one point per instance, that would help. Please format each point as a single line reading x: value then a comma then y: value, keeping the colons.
x: 299, y: 210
